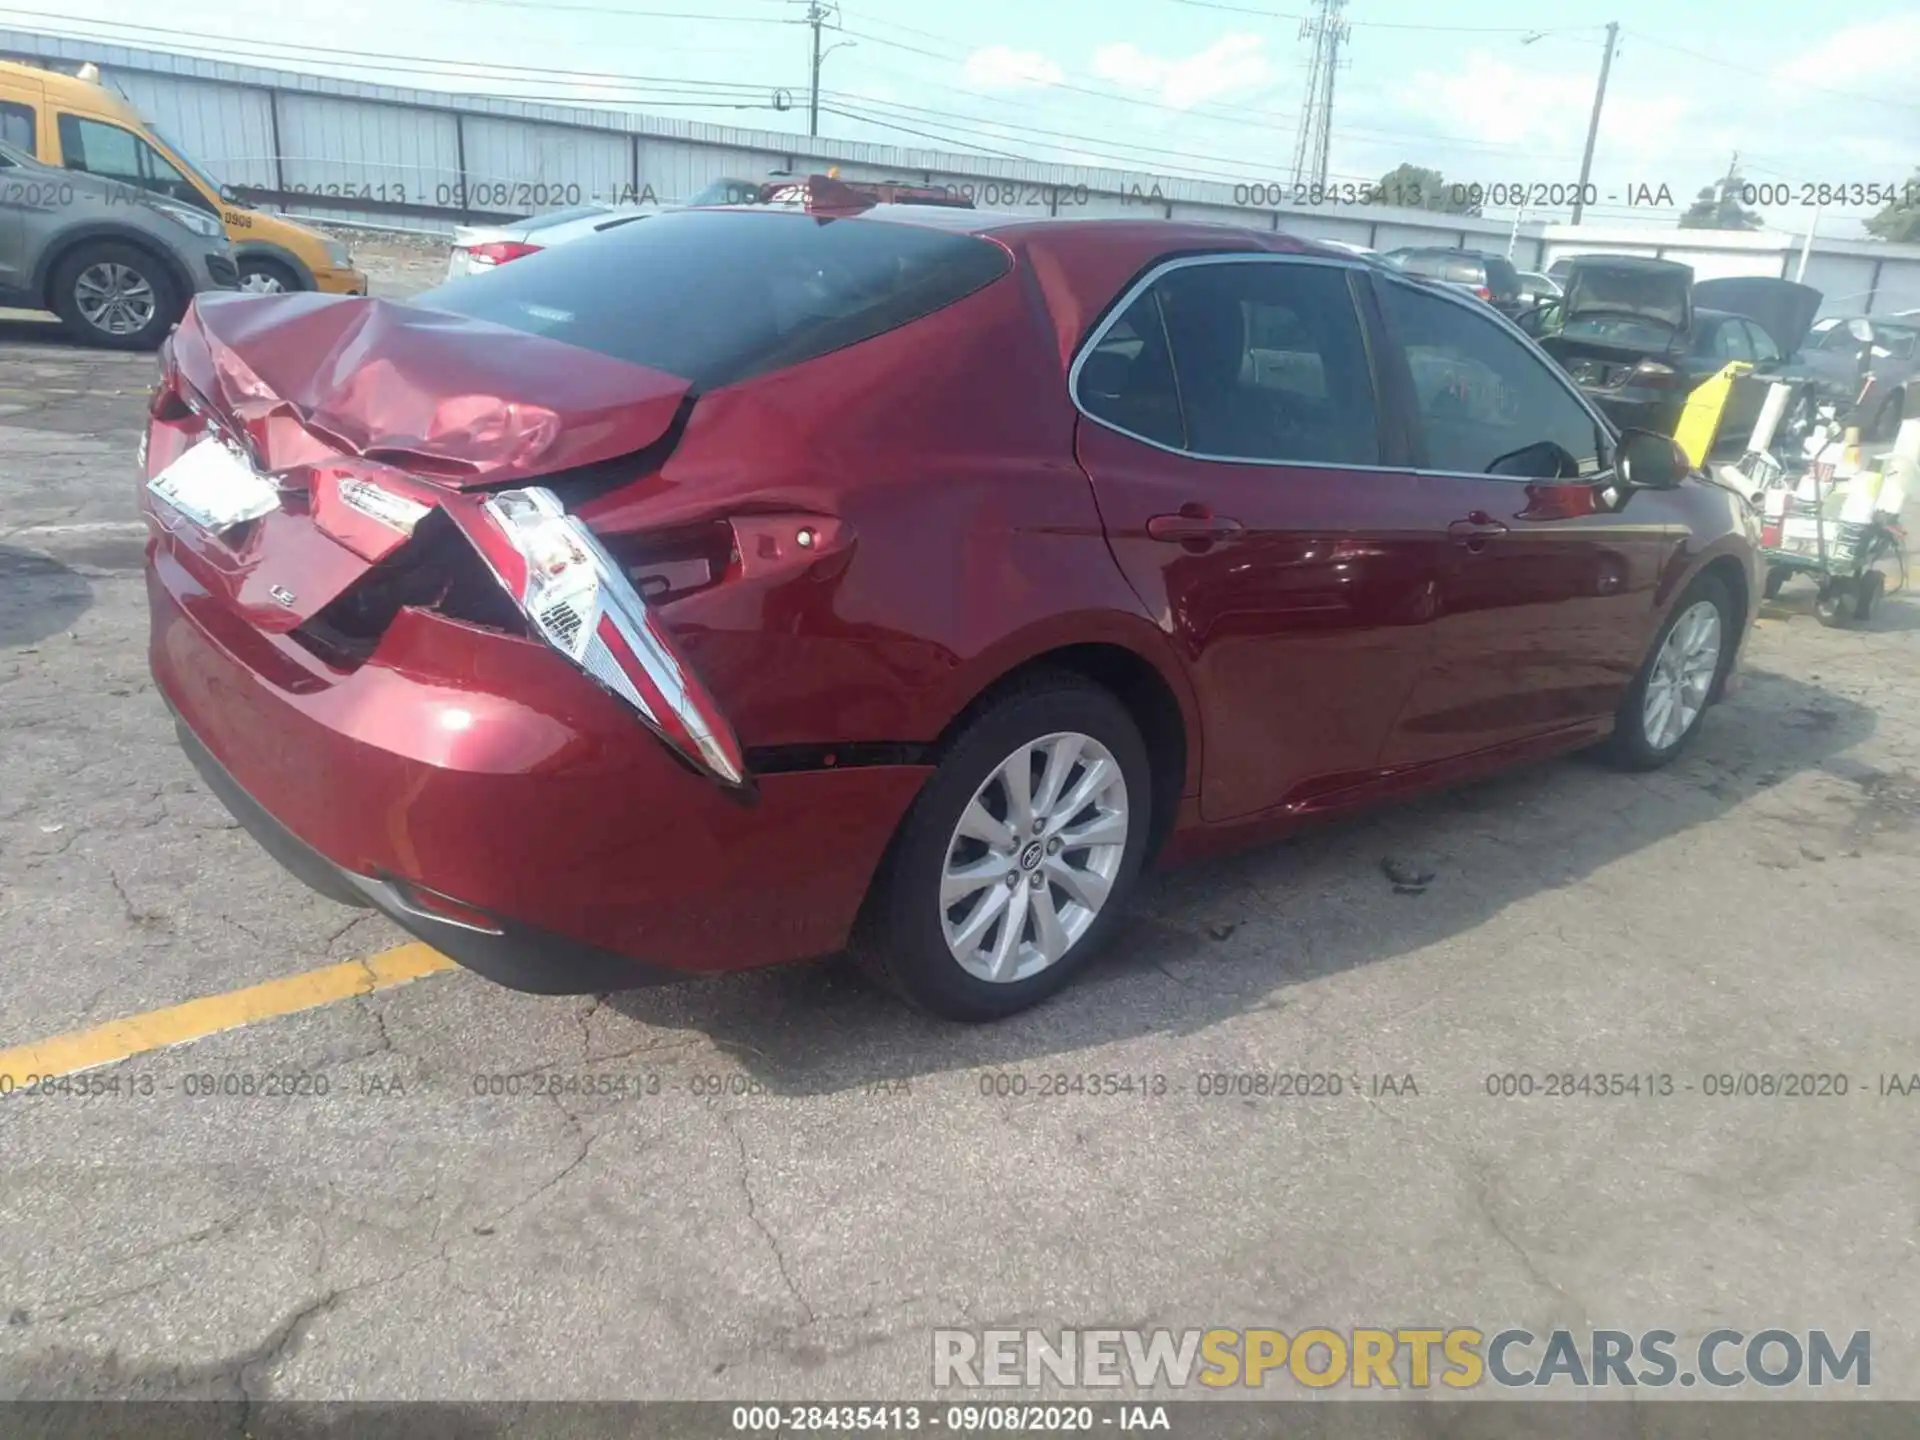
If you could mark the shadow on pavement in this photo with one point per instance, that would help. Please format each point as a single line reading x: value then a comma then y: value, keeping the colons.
x: 39, y: 597
x: 22, y: 327
x: 1223, y: 938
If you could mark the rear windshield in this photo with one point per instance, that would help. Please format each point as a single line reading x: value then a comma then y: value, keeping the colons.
x: 1648, y: 295
x: 715, y: 296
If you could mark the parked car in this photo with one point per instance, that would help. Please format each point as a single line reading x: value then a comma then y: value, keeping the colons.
x: 1869, y: 359
x: 118, y: 266
x: 1634, y: 333
x: 76, y: 123
x: 1492, y: 278
x: 734, y: 587
x: 1536, y: 289
x: 481, y: 247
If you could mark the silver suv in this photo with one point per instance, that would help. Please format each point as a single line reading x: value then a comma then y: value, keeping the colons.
x: 117, y: 264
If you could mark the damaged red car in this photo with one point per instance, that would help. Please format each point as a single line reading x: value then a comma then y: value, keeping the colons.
x: 749, y: 585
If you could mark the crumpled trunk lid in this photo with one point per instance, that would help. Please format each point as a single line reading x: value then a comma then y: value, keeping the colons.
x: 457, y: 401
x: 361, y: 410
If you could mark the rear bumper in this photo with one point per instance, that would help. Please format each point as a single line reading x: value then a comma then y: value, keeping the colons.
x: 518, y: 956
x: 465, y: 766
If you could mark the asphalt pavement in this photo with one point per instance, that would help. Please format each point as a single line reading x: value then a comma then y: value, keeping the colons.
x: 777, y: 1185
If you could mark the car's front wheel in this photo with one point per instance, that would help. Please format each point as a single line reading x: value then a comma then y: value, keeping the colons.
x: 266, y: 277
x: 1668, y: 698
x: 1016, y: 860
x: 116, y: 295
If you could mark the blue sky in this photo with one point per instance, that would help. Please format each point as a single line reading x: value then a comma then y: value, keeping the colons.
x: 1189, y: 87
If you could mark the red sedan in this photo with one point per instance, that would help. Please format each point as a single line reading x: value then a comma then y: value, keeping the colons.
x: 747, y: 585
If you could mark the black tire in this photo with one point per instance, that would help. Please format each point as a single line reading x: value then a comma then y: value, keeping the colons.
x: 168, y: 303
x: 1867, y: 591
x: 1775, y: 582
x: 261, y: 269
x: 902, y: 945
x: 1833, y: 606
x: 1629, y: 747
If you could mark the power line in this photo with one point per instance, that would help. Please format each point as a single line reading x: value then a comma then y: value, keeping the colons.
x: 1390, y: 24
x: 1853, y: 95
x: 411, y: 64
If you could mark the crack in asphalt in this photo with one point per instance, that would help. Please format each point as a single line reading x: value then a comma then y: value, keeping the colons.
x: 759, y: 1223
x: 1482, y: 1194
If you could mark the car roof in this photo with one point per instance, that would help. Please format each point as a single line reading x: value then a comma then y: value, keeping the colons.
x: 1084, y: 263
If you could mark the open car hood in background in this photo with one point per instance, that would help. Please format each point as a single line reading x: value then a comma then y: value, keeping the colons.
x: 1657, y: 290
x: 456, y: 401
x: 1785, y: 309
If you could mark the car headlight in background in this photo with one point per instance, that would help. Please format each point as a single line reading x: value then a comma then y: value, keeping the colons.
x: 338, y: 255
x: 197, y: 221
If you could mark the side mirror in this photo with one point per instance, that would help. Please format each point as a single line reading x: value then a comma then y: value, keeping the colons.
x: 1646, y: 461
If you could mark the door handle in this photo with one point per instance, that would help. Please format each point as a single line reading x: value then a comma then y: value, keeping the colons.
x: 1475, y: 531
x: 1194, y: 523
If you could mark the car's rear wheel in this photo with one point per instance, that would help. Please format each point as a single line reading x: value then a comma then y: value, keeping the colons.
x: 116, y: 295
x: 1015, y: 862
x: 266, y: 277
x: 1668, y: 698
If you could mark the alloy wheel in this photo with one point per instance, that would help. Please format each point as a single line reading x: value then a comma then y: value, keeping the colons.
x: 1682, y: 675
x: 260, y: 282
x: 115, y: 298
x: 1034, y: 857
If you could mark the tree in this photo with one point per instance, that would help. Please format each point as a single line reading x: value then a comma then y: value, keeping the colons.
x: 1415, y: 187
x: 1718, y: 207
x: 1900, y: 220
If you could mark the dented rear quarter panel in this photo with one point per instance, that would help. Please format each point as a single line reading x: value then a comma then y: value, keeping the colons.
x: 946, y: 448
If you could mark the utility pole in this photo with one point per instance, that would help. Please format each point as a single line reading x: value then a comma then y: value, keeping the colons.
x: 1313, y: 144
x: 1593, y: 125
x: 816, y: 17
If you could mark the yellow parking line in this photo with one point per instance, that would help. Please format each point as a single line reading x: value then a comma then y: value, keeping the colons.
x: 176, y: 1024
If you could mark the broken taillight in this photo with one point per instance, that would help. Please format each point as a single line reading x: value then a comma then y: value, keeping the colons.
x: 577, y: 599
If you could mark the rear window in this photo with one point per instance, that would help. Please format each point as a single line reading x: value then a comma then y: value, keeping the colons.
x: 715, y: 296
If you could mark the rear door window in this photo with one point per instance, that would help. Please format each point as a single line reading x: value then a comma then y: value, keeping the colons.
x: 715, y: 296
x: 17, y: 126
x: 1271, y: 361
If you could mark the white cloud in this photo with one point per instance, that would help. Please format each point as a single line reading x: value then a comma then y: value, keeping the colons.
x: 1232, y: 63
x: 1493, y: 100
x: 1872, y: 50
x: 1001, y: 67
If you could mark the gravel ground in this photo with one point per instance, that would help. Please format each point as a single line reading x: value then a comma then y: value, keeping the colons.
x: 820, y: 1178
